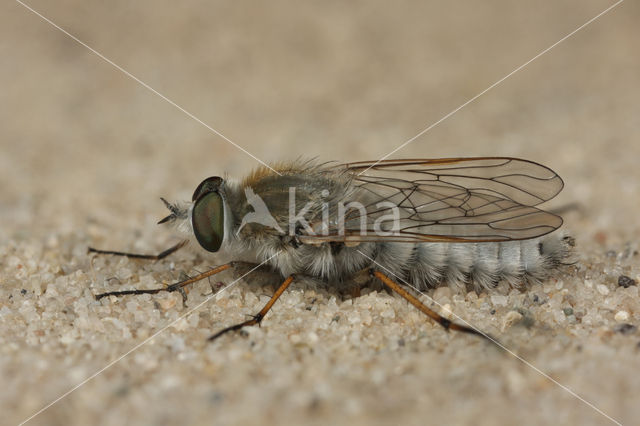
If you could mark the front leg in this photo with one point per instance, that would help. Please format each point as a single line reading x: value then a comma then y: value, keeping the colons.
x: 179, y: 286
x: 158, y: 256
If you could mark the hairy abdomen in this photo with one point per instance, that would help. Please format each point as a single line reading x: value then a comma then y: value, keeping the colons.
x: 425, y: 265
x: 482, y: 265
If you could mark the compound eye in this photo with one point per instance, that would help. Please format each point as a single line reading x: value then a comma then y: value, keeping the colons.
x: 207, y: 219
x: 212, y: 183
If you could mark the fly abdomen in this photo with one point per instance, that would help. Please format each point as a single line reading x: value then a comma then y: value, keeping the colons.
x: 483, y: 265
x: 456, y: 265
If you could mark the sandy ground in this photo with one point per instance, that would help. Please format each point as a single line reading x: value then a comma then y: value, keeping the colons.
x: 86, y: 152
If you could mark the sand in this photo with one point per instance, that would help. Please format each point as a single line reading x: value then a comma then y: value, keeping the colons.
x: 86, y: 152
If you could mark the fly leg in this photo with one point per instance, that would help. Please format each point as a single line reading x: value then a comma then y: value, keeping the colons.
x: 158, y: 256
x: 257, y: 319
x: 444, y: 322
x: 179, y: 286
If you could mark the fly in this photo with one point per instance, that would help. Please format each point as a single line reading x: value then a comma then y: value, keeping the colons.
x: 425, y: 222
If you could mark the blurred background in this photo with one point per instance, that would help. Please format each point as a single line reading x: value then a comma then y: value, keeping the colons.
x: 86, y: 151
x: 337, y: 81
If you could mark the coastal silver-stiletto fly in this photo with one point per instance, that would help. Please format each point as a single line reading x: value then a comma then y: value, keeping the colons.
x: 427, y: 222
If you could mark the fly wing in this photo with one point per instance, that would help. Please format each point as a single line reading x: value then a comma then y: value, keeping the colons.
x: 450, y: 200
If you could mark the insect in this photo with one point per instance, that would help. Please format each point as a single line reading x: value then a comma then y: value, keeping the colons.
x: 425, y: 222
